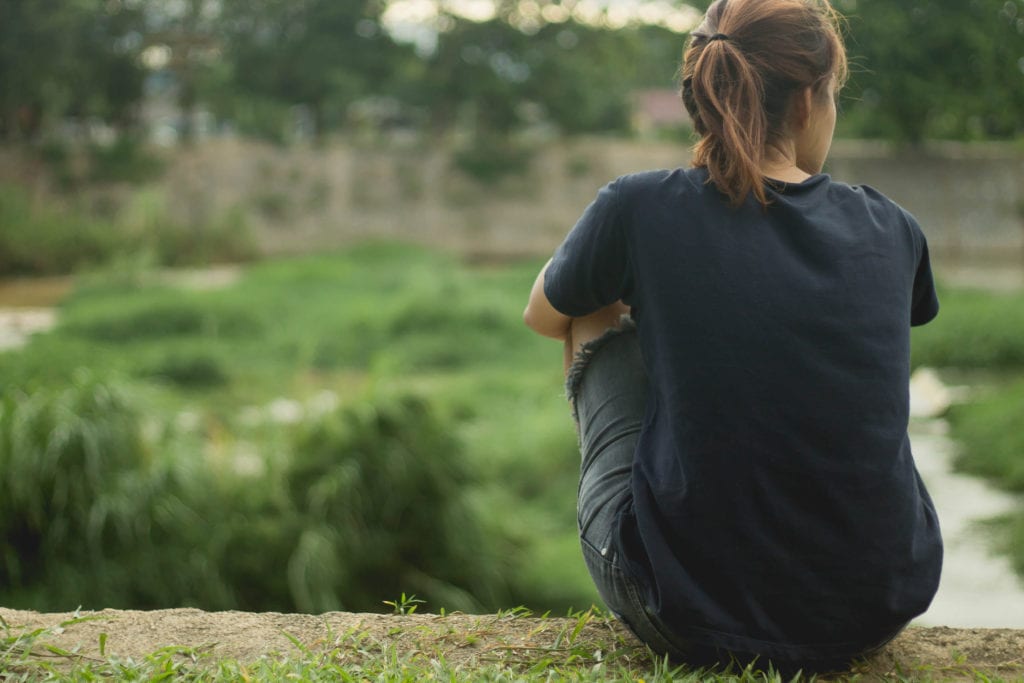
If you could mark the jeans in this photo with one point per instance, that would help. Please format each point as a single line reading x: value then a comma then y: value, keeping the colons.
x: 607, y: 387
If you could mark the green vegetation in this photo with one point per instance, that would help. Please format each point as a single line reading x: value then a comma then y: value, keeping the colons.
x: 277, y: 69
x: 988, y: 427
x: 945, y: 82
x: 984, y: 332
x: 46, y: 238
x: 242, y: 465
x: 975, y: 329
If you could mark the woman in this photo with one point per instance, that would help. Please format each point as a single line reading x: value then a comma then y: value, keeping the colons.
x: 747, y: 487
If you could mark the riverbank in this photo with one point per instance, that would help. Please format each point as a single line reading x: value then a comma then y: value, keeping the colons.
x: 406, y: 647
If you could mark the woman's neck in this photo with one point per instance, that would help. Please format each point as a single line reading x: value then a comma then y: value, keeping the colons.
x: 779, y: 163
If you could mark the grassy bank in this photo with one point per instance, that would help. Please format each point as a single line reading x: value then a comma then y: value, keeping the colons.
x: 289, y: 413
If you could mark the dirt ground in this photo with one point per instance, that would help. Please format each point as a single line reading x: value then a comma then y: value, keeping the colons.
x: 465, y: 640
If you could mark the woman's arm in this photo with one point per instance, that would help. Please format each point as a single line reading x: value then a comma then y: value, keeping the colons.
x: 540, y: 316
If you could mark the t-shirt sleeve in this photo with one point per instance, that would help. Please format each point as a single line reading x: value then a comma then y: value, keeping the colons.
x: 924, y: 300
x: 590, y: 269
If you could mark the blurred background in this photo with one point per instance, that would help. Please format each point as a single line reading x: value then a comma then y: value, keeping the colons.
x: 263, y: 263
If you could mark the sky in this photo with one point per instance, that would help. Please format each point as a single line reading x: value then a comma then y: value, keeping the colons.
x: 418, y: 21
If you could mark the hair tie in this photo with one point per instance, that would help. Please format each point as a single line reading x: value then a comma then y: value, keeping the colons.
x: 719, y: 36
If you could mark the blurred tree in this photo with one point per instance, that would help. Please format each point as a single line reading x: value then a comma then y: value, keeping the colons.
x: 936, y: 68
x: 478, y: 73
x: 75, y: 58
x: 576, y: 76
x: 588, y: 77
x: 322, y: 54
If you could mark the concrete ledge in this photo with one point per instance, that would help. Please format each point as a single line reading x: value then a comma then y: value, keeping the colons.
x: 461, y: 640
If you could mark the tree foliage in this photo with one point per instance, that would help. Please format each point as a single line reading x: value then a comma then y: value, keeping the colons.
x: 936, y: 68
x: 67, y: 59
x: 575, y: 76
x: 320, y: 53
x: 927, y: 68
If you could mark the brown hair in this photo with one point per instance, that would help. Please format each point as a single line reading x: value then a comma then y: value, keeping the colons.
x: 740, y: 71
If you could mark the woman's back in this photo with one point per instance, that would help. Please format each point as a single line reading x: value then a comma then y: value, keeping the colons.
x: 775, y: 501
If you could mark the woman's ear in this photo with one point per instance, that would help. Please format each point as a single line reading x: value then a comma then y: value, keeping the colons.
x: 803, y: 105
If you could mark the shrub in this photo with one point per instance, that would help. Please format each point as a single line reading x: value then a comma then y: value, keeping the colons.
x: 992, y: 446
x: 382, y: 490
x: 177, y: 315
x: 126, y: 159
x: 491, y: 158
x: 37, y: 239
x: 87, y: 512
x: 371, y: 501
x: 40, y: 239
x: 974, y: 329
x: 197, y: 370
x: 989, y: 429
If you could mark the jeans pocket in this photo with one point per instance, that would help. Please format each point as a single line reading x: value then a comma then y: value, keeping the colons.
x: 624, y: 597
x: 648, y: 628
x: 607, y: 577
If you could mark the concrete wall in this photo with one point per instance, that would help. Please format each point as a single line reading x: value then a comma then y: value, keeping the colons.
x: 968, y: 198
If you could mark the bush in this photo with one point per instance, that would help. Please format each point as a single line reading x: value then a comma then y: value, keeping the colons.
x: 37, y: 240
x: 372, y: 501
x: 86, y: 510
x: 226, y: 239
x: 177, y: 315
x: 993, y: 443
x: 382, y: 490
x: 974, y: 329
x: 992, y: 446
x: 491, y: 158
x: 196, y: 370
x: 125, y: 160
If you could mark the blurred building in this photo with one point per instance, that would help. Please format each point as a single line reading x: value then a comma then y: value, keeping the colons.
x: 658, y: 110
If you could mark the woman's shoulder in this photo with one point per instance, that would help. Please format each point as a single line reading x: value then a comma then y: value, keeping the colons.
x: 666, y: 179
x: 873, y: 199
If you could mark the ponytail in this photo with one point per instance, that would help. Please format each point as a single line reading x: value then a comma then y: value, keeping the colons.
x: 740, y: 71
x: 729, y: 95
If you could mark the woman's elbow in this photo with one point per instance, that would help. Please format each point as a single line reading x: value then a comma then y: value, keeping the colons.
x: 555, y: 326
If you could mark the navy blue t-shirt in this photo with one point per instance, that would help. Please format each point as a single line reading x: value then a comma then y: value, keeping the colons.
x: 776, y: 506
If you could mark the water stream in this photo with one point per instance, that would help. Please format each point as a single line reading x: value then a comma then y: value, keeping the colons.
x: 979, y: 588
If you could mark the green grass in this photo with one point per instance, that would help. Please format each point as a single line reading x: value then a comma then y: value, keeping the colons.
x: 989, y: 427
x: 974, y: 329
x: 369, y: 324
x: 992, y: 446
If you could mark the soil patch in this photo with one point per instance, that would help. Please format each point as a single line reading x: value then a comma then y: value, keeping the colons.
x: 461, y: 639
